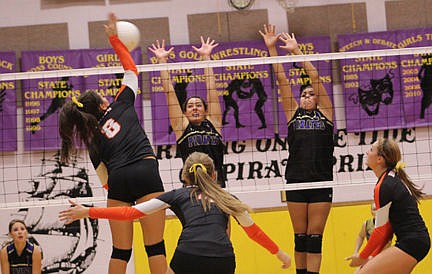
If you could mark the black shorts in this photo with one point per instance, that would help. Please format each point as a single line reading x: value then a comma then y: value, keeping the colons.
x: 314, y: 195
x: 417, y: 247
x: 183, y: 263
x: 131, y: 182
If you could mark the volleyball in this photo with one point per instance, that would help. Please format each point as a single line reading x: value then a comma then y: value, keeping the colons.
x: 129, y: 34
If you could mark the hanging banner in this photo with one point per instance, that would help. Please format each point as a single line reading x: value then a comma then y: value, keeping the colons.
x: 108, y: 85
x: 416, y: 77
x: 8, y: 106
x: 43, y: 98
x: 371, y: 85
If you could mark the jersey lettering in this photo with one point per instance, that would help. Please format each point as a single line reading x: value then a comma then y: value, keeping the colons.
x: 111, y: 128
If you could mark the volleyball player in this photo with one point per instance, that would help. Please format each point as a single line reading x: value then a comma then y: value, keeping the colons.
x: 197, y: 124
x: 396, y: 200
x: 122, y: 156
x: 20, y: 256
x: 310, y: 154
x: 203, y: 208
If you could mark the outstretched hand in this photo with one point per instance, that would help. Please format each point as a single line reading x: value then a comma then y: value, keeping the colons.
x: 284, y: 258
x: 159, y: 51
x: 290, y: 42
x: 269, y: 35
x: 206, y: 48
x: 76, y: 212
x: 111, y: 25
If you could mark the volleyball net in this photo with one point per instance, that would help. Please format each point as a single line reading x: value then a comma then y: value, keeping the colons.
x: 375, y: 93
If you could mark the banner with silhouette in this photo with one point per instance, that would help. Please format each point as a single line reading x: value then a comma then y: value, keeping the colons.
x: 108, y: 85
x: 416, y: 77
x: 43, y: 98
x: 8, y: 106
x: 245, y: 92
x: 371, y: 85
x: 297, y: 75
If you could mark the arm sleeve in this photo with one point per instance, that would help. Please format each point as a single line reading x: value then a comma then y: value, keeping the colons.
x: 381, y: 234
x: 255, y: 233
x: 124, y: 213
x: 130, y: 77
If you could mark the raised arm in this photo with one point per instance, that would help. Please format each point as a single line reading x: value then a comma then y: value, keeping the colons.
x: 255, y: 233
x: 214, y: 108
x: 130, y: 77
x: 177, y: 119
x: 324, y: 101
x: 289, y: 103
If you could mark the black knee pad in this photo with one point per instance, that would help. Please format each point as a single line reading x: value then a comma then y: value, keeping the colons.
x: 314, y: 243
x: 156, y: 249
x: 300, y: 242
x: 121, y: 254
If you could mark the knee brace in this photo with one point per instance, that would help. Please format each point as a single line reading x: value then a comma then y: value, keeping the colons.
x: 156, y: 249
x: 314, y: 243
x: 300, y: 242
x: 121, y: 254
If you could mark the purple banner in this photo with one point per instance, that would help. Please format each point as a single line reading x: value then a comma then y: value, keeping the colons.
x: 245, y: 92
x: 371, y: 85
x: 8, y: 109
x: 43, y: 98
x: 416, y: 77
x: 308, y: 45
x: 108, y: 85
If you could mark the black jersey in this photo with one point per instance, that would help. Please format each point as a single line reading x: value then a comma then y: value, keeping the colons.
x: 122, y: 140
x: 204, y: 233
x: 310, y: 140
x: 20, y: 264
x: 206, y: 139
x: 404, y: 215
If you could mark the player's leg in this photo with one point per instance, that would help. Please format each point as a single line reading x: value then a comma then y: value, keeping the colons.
x: 122, y: 235
x: 153, y: 229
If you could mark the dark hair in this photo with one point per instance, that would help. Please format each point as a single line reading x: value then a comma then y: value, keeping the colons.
x: 199, y: 171
x: 389, y: 150
x: 79, y: 121
x: 188, y: 99
x: 14, y: 221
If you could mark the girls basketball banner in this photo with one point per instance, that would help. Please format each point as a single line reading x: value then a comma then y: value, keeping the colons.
x: 416, y: 77
x: 245, y: 92
x: 43, y: 98
x: 297, y: 75
x: 108, y: 85
x: 371, y: 85
x: 8, y: 107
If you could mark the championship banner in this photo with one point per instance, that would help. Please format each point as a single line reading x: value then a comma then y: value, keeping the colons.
x: 8, y: 108
x: 371, y: 85
x: 43, y: 98
x: 416, y: 77
x: 108, y: 85
x: 297, y: 75
x: 245, y: 92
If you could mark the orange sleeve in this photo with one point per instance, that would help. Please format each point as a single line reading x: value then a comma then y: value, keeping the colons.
x: 121, y: 213
x: 123, y: 54
x: 255, y: 233
x: 379, y: 238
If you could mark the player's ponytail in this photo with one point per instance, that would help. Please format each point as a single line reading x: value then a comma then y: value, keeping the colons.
x: 389, y: 149
x: 78, y: 120
x: 199, y: 172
